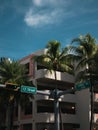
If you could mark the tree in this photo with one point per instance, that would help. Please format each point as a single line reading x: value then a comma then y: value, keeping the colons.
x: 54, y: 60
x: 87, y: 49
x: 15, y: 73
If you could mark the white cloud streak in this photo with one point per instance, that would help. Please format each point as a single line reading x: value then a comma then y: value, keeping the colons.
x: 38, y: 19
x: 44, y: 12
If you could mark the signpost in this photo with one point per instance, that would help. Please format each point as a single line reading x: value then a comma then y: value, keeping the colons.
x: 55, y: 95
x: 83, y: 85
x: 28, y: 89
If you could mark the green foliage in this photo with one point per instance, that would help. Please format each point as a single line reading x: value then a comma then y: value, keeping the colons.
x: 87, y: 50
x: 13, y: 74
x: 55, y: 58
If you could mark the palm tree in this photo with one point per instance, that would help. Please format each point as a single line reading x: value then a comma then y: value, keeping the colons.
x: 15, y: 73
x: 94, y: 65
x: 87, y: 49
x: 54, y: 60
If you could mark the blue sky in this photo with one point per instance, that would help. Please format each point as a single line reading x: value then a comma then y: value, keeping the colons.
x: 27, y: 25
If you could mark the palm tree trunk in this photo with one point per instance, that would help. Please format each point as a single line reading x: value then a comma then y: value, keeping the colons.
x: 11, y: 116
x: 55, y: 76
x: 92, y: 106
x: 8, y: 117
x: 91, y: 97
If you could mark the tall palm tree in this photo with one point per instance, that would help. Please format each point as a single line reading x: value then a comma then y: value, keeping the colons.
x: 86, y: 48
x: 54, y: 60
x: 94, y: 65
x: 12, y: 72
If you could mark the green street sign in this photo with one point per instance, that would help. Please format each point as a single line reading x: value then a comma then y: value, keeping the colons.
x: 28, y: 89
x: 83, y: 85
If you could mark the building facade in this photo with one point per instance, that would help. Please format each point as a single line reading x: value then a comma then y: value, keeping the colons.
x: 74, y: 108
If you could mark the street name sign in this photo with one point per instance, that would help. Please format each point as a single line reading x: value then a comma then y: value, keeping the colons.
x: 28, y: 89
x: 83, y: 85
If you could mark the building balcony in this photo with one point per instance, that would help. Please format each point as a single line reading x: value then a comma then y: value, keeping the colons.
x: 47, y: 79
x: 44, y: 73
x: 64, y: 98
x: 49, y: 118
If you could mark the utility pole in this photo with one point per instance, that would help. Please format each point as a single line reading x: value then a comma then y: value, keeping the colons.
x: 56, y: 94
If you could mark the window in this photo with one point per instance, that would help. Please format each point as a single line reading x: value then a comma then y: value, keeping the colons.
x: 66, y: 107
x: 45, y: 106
x: 27, y: 127
x: 40, y: 67
x: 70, y: 126
x: 27, y: 68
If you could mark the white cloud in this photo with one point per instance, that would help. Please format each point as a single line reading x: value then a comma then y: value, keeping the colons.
x: 42, y: 18
x: 36, y: 19
x: 43, y: 12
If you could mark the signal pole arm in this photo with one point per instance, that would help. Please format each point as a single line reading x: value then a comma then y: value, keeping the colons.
x: 66, y: 92
x: 59, y: 93
x: 2, y: 85
x: 43, y: 93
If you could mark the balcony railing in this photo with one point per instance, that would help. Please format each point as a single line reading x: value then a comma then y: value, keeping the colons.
x: 49, y: 118
x: 44, y: 73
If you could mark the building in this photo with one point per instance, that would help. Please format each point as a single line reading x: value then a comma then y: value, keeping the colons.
x: 39, y: 114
